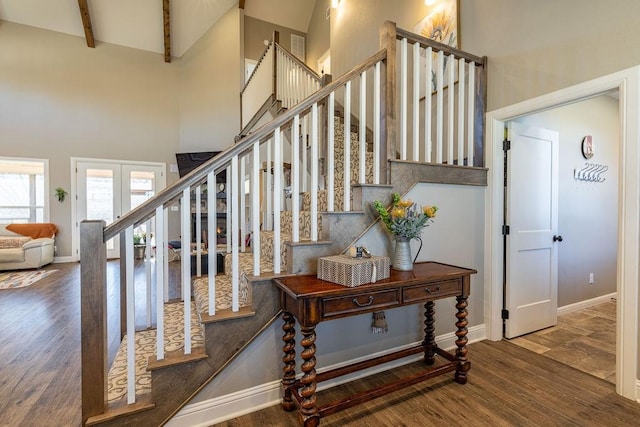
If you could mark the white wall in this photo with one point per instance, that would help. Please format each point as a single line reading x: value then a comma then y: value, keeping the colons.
x: 60, y: 99
x: 588, y: 211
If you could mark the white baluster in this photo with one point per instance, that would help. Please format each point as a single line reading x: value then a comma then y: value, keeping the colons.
x: 403, y: 99
x: 235, y: 264
x: 160, y: 262
x: 165, y: 249
x: 314, y: 172
x: 451, y: 101
x: 363, y: 127
x: 416, y: 101
x: 303, y: 150
x: 331, y: 164
x: 295, y: 179
x: 243, y: 202
x: 376, y: 124
x: 185, y: 214
x: 347, y: 147
x: 471, y: 105
x: 230, y: 192
x: 147, y: 268
x: 212, y: 240
x: 255, y: 207
x: 439, y: 107
x: 269, y: 189
x: 131, y: 316
x: 198, y: 236
x: 461, y: 111
x: 427, y: 105
x: 277, y: 193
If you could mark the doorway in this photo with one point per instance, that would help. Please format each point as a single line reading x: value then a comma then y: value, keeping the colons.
x: 627, y: 274
x: 106, y: 189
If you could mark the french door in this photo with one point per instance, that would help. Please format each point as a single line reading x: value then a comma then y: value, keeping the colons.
x: 106, y: 190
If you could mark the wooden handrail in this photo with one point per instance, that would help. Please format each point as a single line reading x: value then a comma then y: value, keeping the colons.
x: 404, y: 34
x: 218, y: 163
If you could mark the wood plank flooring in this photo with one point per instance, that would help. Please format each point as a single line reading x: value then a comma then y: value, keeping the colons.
x: 508, y: 385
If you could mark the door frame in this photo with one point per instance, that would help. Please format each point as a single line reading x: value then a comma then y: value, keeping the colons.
x: 627, y: 82
x: 75, y: 240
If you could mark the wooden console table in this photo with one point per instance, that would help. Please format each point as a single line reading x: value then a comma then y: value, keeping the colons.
x: 310, y: 301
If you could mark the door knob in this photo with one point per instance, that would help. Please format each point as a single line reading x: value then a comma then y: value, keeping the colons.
x: 557, y: 238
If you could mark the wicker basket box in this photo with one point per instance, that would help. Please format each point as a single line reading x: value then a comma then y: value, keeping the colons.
x: 347, y: 271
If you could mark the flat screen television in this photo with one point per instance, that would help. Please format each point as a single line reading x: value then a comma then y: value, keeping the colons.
x: 189, y: 161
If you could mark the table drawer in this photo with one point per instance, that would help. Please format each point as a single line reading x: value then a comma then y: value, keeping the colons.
x: 364, y: 302
x: 432, y: 291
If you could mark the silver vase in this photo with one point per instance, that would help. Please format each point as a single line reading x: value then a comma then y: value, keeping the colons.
x: 402, y: 255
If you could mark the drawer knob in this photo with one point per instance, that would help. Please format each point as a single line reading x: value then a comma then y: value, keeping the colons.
x: 429, y: 291
x: 359, y: 304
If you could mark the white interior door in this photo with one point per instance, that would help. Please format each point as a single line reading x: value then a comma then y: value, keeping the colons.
x: 532, y: 215
x: 106, y: 190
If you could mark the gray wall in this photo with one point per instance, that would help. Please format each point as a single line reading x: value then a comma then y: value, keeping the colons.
x: 60, y: 99
x: 587, y: 211
x: 210, y: 79
x: 257, y: 31
x: 455, y: 237
x: 318, y: 34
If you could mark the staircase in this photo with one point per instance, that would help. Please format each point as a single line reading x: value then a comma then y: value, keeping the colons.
x: 157, y: 370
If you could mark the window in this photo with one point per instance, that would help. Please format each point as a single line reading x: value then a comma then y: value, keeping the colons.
x: 23, y: 185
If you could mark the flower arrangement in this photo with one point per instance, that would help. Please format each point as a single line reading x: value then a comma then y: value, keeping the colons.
x: 405, y: 218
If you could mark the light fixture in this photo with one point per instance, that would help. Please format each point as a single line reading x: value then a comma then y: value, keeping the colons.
x: 335, y: 3
x: 430, y: 2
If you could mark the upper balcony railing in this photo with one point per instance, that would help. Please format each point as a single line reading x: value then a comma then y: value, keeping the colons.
x: 278, y: 76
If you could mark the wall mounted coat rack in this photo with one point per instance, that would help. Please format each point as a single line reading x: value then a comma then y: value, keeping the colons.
x: 591, y: 172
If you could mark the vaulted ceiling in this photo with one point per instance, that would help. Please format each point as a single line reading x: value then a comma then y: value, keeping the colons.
x: 141, y: 24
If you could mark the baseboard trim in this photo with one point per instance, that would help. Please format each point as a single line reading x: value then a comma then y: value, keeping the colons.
x: 253, y: 399
x: 566, y: 309
x: 61, y: 259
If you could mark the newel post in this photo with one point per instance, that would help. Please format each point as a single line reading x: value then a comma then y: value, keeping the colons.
x: 388, y: 131
x: 93, y: 318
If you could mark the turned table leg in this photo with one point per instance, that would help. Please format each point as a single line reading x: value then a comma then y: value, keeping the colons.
x: 429, y: 343
x: 461, y: 342
x: 308, y: 408
x: 289, y: 360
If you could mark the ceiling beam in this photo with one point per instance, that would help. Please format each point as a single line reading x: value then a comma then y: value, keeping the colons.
x: 166, y: 18
x: 86, y: 22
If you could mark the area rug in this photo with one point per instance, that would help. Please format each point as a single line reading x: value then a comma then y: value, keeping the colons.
x: 21, y: 279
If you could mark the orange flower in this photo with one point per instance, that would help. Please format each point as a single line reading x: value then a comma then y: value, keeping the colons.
x: 398, y: 212
x: 430, y: 211
x: 407, y: 203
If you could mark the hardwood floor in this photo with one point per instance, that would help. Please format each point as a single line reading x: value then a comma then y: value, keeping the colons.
x: 508, y: 385
x: 40, y: 351
x: 40, y: 345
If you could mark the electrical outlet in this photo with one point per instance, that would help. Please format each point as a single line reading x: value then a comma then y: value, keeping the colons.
x: 591, y: 278
x: 55, y: 249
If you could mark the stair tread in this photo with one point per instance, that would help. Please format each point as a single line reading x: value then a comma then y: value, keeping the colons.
x: 146, y: 347
x: 116, y: 410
